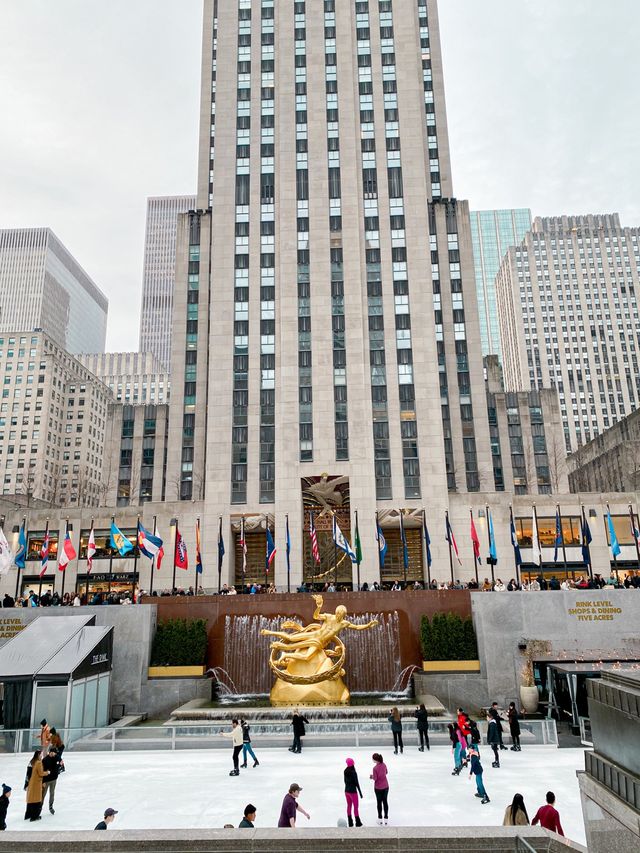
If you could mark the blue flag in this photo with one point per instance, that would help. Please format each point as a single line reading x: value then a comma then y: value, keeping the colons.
x: 21, y: 553
x: 288, y: 540
x: 382, y: 544
x: 148, y: 543
x: 405, y: 550
x: 517, y: 556
x: 220, y: 546
x: 119, y: 541
x: 613, y: 539
x: 586, y: 540
x: 342, y: 542
x: 558, y: 540
x: 493, y: 551
x: 427, y: 539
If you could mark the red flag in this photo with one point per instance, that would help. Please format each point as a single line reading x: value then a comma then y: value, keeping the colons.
x: 314, y: 540
x: 475, y: 540
x: 182, y: 561
x: 67, y: 553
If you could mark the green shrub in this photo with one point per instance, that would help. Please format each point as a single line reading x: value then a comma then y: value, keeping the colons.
x: 180, y: 642
x: 448, y: 636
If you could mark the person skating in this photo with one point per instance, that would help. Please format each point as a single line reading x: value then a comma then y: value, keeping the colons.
x: 109, y: 817
x: 396, y: 730
x: 380, y: 788
x: 493, y: 739
x: 291, y: 807
x: 297, y: 721
x: 547, y: 816
x: 45, y: 736
x: 422, y: 721
x: 246, y: 744
x: 351, y: 791
x: 51, y: 762
x: 493, y: 711
x: 4, y: 805
x: 34, y: 787
x: 459, y: 742
x: 476, y: 770
x: 516, y: 813
x: 236, y: 741
x: 514, y: 726
x: 463, y: 722
x: 249, y: 818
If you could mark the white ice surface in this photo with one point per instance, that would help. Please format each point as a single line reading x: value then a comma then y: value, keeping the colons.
x: 193, y: 788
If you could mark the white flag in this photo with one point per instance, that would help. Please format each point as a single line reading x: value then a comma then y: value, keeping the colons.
x: 535, y: 542
x: 342, y: 542
x: 6, y: 557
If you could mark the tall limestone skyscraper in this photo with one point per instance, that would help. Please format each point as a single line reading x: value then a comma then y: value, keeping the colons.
x: 326, y: 349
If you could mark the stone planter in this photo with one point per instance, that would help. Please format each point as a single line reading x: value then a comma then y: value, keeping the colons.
x: 451, y: 665
x: 176, y: 671
x: 529, y: 698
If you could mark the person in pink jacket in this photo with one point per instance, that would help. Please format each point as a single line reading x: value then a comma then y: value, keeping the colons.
x: 380, y: 787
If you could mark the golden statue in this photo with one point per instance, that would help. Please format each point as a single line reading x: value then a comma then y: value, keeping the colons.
x: 308, y: 663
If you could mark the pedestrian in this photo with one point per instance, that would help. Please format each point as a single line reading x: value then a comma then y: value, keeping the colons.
x: 547, y: 816
x: 351, y: 791
x: 291, y: 807
x: 45, y: 736
x: 297, y: 721
x: 249, y: 818
x: 8, y: 601
x: 236, y: 741
x: 495, y: 713
x: 109, y: 817
x: 396, y: 729
x: 493, y: 739
x: 246, y: 745
x: 4, y: 805
x: 422, y: 719
x: 380, y: 788
x: 516, y: 813
x: 463, y: 722
x: 51, y: 762
x: 33, y: 786
x: 514, y: 726
x: 476, y: 770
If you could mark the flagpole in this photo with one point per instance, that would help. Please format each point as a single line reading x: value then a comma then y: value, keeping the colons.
x: 538, y: 548
x: 335, y: 552
x: 288, y: 548
x: 615, y: 559
x: 46, y: 533
x: 197, y: 552
x: 219, y: 558
x: 515, y: 559
x: 86, y: 584
x: 473, y: 548
x: 379, y: 555
x: 446, y: 515
x: 633, y: 533
x: 175, y: 549
x: 405, y: 550
x: 564, y: 548
x: 153, y: 559
x: 266, y: 551
x: 64, y: 571
x: 135, y: 563
x: 357, y: 551
x: 490, y: 558
x: 426, y: 546
x: 588, y: 547
x: 113, y: 521
x: 24, y: 556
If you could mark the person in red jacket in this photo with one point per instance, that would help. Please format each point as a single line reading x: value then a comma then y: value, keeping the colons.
x: 547, y: 816
x: 463, y: 722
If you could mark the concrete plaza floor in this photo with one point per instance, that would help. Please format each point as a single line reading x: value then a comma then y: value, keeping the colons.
x: 193, y: 788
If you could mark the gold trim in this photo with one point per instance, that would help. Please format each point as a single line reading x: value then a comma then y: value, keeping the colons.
x: 451, y: 665
x: 176, y: 671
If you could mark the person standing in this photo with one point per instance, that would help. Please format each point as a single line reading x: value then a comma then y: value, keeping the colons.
x: 236, y: 741
x: 33, y: 786
x: 380, y: 788
x: 459, y: 741
x: 396, y: 730
x: 514, y: 726
x: 422, y: 720
x: 493, y: 739
x: 249, y: 818
x: 351, y: 791
x: 297, y: 721
x: 45, y: 736
x: 246, y: 745
x: 476, y: 770
x: 495, y: 713
x: 547, y: 816
x: 51, y: 763
x: 291, y: 807
x: 109, y: 817
x: 4, y: 805
x: 516, y: 813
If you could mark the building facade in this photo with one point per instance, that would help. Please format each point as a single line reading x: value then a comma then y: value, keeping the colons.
x: 493, y: 232
x: 43, y: 287
x: 610, y: 462
x: 158, y: 277
x: 568, y: 313
x: 135, y: 378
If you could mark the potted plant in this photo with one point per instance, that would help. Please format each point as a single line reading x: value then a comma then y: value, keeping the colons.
x: 449, y: 644
x: 179, y: 649
x: 530, y: 650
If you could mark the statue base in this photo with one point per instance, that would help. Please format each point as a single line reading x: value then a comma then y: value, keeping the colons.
x: 333, y: 692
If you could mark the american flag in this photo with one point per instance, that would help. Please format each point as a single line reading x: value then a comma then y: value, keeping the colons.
x: 314, y: 540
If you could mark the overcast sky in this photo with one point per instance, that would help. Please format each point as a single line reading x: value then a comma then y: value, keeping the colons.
x: 99, y: 109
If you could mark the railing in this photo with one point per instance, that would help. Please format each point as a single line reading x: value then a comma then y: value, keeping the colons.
x: 267, y: 733
x: 523, y: 846
x: 586, y: 738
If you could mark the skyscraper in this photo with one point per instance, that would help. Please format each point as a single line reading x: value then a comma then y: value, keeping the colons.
x: 326, y: 347
x: 158, y: 277
x: 42, y: 286
x: 568, y: 310
x: 492, y: 232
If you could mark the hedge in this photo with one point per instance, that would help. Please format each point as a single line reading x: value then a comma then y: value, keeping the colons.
x: 180, y: 642
x: 448, y: 637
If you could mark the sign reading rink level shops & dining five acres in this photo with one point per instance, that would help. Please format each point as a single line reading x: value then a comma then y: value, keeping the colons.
x: 594, y: 611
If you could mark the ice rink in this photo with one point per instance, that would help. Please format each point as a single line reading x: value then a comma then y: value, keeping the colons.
x: 193, y: 788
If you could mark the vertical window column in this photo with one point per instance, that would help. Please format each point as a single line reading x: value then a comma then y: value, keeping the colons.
x: 191, y: 360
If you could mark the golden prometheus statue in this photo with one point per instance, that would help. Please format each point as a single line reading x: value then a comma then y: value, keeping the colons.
x: 309, y: 662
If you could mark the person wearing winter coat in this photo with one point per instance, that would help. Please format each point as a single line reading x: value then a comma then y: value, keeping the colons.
x: 516, y: 813
x: 476, y: 770
x: 396, y: 730
x: 236, y: 740
x: 351, y: 791
x: 493, y: 739
x: 297, y: 721
x: 34, y: 787
x: 422, y: 719
x: 51, y: 762
x: 380, y: 788
x: 514, y: 726
x: 4, y: 805
x: 246, y: 745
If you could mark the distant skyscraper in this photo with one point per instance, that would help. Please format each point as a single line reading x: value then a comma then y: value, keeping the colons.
x: 493, y: 231
x: 159, y: 273
x: 136, y: 378
x: 42, y: 286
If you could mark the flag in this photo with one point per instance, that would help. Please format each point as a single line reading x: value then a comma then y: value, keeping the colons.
x: 21, y: 553
x: 517, y: 556
x: 220, y: 547
x: 586, y: 540
x: 119, y: 541
x: 181, y: 559
x: 44, y: 555
x: 6, y: 557
x: 66, y: 553
x: 288, y: 540
x: 91, y: 549
x: 493, y: 551
x: 150, y: 544
x: 382, y: 543
x: 427, y: 539
x: 475, y: 541
x: 403, y: 537
x: 536, y: 555
x: 314, y: 539
x: 634, y: 527
x: 198, y: 554
x: 341, y: 541
x: 358, y: 545
x: 451, y: 539
x: 613, y: 539
x: 271, y: 550
x: 243, y: 545
x: 558, y: 540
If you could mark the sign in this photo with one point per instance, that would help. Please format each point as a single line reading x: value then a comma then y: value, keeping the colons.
x: 595, y: 611
x: 103, y: 657
x: 9, y: 627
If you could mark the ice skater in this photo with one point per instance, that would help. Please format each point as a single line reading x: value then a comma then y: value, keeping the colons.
x: 34, y: 787
x: 495, y: 713
x: 396, y: 729
x: 236, y: 741
x: 514, y: 726
x: 246, y: 745
x: 459, y: 743
x: 4, y: 805
x: 422, y: 721
x: 493, y: 739
x: 476, y: 770
x: 380, y: 788
x: 51, y: 762
x: 351, y: 791
x: 297, y: 721
x: 291, y: 807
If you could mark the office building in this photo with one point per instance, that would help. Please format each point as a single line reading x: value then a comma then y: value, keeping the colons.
x: 493, y: 232
x: 135, y: 378
x: 158, y: 277
x: 610, y: 462
x: 568, y: 313
x: 42, y: 286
